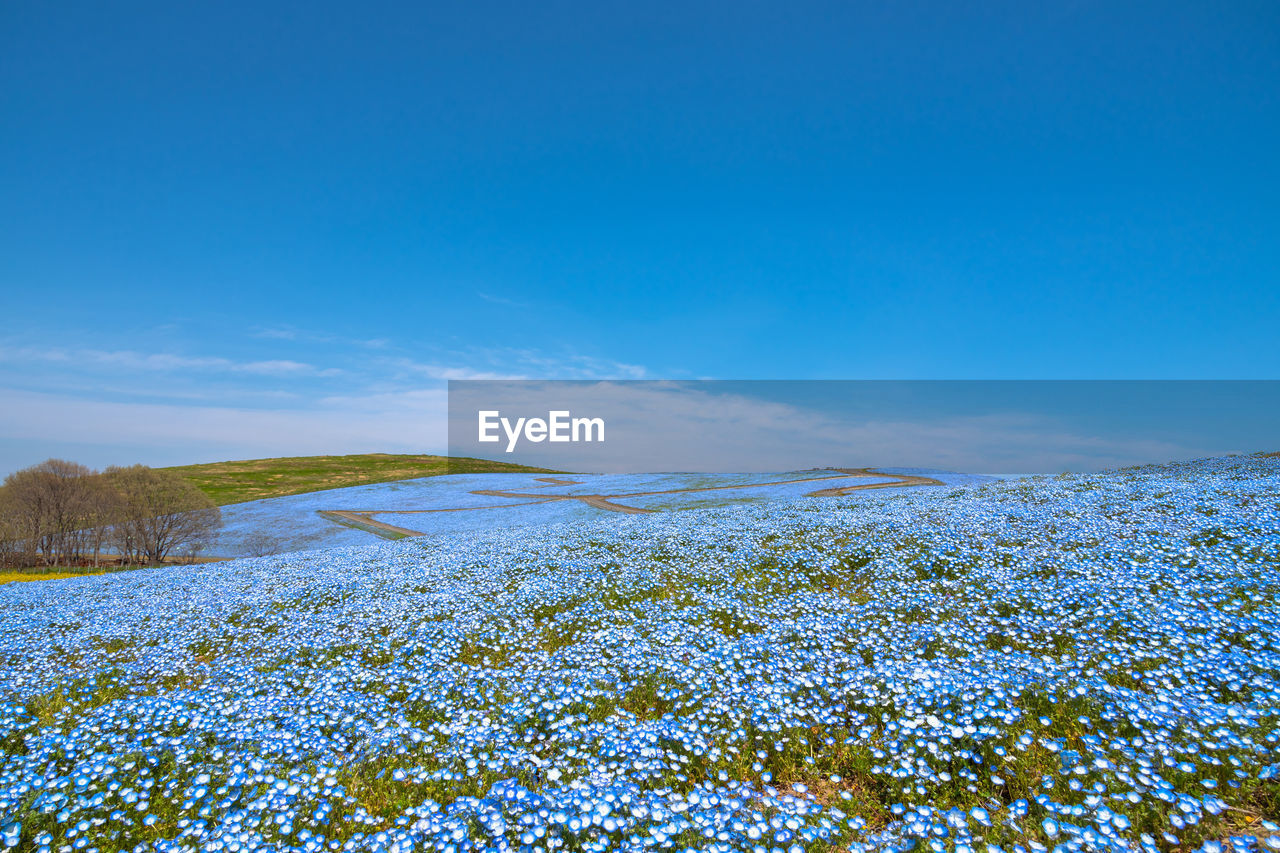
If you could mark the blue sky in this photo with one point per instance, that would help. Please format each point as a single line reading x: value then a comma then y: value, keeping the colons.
x: 993, y: 427
x: 238, y: 229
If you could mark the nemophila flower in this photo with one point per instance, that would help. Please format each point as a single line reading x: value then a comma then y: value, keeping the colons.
x: 1090, y: 661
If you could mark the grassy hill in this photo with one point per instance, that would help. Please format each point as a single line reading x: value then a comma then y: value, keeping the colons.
x: 253, y: 479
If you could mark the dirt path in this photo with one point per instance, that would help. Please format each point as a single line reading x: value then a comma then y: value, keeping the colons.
x: 904, y: 480
x: 503, y: 493
x: 597, y: 501
x: 603, y: 502
x: 363, y: 519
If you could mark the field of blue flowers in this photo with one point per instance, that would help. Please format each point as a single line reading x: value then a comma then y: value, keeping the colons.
x: 1082, y: 662
x: 291, y: 523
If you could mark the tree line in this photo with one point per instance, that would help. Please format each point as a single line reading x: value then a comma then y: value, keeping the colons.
x: 64, y: 513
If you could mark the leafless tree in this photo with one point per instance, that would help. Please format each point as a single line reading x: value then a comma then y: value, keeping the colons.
x: 25, y: 500
x: 51, y: 505
x: 69, y: 501
x: 105, y: 511
x: 261, y: 544
x: 62, y: 512
x: 16, y: 548
x: 160, y: 511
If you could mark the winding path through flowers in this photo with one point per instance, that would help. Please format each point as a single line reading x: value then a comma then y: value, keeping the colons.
x: 364, y: 520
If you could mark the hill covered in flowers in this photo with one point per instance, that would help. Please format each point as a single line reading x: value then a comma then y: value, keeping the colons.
x: 1091, y: 661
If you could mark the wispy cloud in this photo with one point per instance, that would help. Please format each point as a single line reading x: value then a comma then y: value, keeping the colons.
x: 383, y: 397
x: 408, y: 422
x: 292, y: 333
x: 376, y: 365
x: 276, y: 334
x: 672, y: 426
x: 284, y: 367
x: 500, y: 300
x: 163, y: 362
x: 446, y: 372
x: 576, y: 366
x: 514, y: 363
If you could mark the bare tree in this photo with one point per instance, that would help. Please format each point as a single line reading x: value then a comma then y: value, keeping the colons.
x: 26, y: 504
x: 67, y: 487
x: 62, y: 512
x: 16, y: 547
x: 51, y: 504
x: 160, y: 511
x: 259, y: 543
x: 105, y: 511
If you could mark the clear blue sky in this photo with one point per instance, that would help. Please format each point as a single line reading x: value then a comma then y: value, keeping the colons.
x: 224, y: 223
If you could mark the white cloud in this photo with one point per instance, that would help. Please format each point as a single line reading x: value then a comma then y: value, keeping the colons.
x: 446, y: 372
x: 292, y: 333
x: 479, y: 363
x: 518, y: 364
x: 656, y: 426
x: 160, y: 362
x: 409, y: 422
x: 277, y: 334
x: 652, y: 426
x: 282, y: 367
x: 570, y: 365
x: 500, y: 300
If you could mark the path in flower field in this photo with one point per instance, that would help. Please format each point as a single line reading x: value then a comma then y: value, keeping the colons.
x: 363, y: 518
x: 1084, y: 662
x: 294, y: 523
x: 360, y: 521
x: 905, y: 480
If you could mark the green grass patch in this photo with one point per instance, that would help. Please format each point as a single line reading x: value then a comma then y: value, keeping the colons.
x: 254, y: 479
